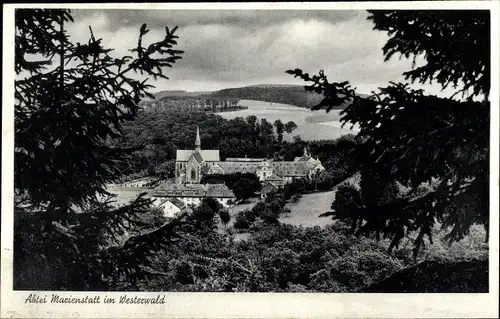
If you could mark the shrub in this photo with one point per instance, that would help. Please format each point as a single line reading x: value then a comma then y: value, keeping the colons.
x: 225, y: 217
x: 241, y: 221
x: 269, y: 216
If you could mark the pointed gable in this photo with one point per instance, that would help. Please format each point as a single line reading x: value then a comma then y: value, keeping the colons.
x: 268, y: 187
x: 197, y: 157
x: 274, y: 177
x: 174, y: 201
x: 194, y: 160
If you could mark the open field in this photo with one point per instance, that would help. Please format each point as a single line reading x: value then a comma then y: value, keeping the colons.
x: 323, y: 116
x: 125, y: 194
x: 309, y: 123
x: 306, y: 211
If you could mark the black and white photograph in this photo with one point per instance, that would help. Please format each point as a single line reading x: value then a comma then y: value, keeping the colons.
x: 277, y: 150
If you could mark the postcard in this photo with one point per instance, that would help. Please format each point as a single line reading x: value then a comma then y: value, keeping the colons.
x: 250, y: 160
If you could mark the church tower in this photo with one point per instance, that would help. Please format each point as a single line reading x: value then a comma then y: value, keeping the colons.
x: 197, y: 143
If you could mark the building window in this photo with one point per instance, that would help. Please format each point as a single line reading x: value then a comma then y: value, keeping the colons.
x: 193, y: 174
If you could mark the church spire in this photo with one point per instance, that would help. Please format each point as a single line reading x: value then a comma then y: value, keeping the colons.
x: 305, y: 151
x: 197, y: 143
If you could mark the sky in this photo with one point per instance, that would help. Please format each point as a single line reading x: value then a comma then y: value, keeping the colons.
x: 234, y: 48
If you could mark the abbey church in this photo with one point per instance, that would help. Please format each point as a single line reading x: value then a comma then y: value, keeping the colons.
x: 189, y: 164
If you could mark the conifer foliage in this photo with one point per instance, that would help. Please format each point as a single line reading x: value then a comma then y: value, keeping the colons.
x: 71, y: 98
x: 416, y: 139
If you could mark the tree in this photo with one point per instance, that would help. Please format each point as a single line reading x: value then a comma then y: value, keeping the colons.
x: 225, y: 217
x: 213, y: 203
x: 166, y: 170
x: 347, y: 202
x: 297, y: 139
x: 204, y: 215
x: 266, y: 128
x: 245, y: 188
x: 290, y: 126
x: 252, y: 120
x: 242, y: 220
x: 278, y: 124
x: 68, y: 235
x: 269, y: 216
x: 159, y: 143
x: 413, y: 138
x: 243, y: 185
x: 153, y: 219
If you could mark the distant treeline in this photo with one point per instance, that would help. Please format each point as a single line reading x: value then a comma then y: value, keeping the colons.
x: 200, y: 103
x: 284, y: 94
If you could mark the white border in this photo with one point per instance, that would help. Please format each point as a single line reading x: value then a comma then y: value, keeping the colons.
x: 245, y: 305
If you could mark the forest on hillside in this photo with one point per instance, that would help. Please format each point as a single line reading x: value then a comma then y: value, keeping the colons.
x: 284, y: 94
x: 289, y: 94
x: 205, y: 103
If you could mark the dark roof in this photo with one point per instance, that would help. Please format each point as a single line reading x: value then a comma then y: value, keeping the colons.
x: 197, y: 156
x: 274, y: 177
x: 268, y: 187
x: 290, y: 168
x: 174, y: 201
x: 218, y: 190
x: 177, y: 202
x: 193, y: 190
x: 303, y: 158
x: 239, y: 167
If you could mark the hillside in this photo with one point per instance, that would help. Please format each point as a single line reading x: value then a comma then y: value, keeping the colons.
x: 285, y: 94
x: 178, y: 93
x: 276, y: 93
